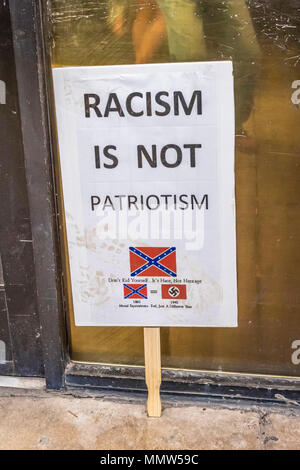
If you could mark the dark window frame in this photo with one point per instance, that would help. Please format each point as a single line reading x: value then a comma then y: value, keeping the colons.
x: 29, y: 21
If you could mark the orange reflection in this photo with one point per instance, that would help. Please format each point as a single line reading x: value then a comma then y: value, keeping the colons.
x: 148, y: 31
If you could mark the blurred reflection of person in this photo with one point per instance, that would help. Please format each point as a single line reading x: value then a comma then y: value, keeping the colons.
x: 199, y: 30
x: 148, y: 28
x: 216, y: 30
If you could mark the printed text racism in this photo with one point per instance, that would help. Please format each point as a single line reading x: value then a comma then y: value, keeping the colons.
x: 170, y: 155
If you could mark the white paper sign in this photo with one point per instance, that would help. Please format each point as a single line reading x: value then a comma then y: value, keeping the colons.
x: 147, y: 163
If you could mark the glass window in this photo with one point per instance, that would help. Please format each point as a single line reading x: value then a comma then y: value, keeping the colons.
x: 263, y: 41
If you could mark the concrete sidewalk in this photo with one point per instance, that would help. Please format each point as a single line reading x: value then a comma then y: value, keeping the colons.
x: 47, y: 420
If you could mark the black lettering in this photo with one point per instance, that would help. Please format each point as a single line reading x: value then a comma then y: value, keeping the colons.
x: 110, y: 156
x: 183, y: 201
x: 141, y: 151
x: 199, y: 205
x: 129, y: 104
x: 148, y: 103
x: 97, y: 156
x: 178, y: 155
x: 94, y: 105
x: 120, y: 199
x: 108, y: 202
x: 178, y: 97
x: 166, y: 196
x: 151, y: 205
x: 95, y: 200
x: 162, y: 103
x: 113, y: 99
x: 205, y: 197
x: 192, y: 148
x: 130, y: 202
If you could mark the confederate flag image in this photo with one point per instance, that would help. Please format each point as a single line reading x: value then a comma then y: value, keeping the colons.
x: 153, y: 261
x: 135, y: 291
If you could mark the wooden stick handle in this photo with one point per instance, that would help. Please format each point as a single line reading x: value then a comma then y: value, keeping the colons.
x: 153, y: 370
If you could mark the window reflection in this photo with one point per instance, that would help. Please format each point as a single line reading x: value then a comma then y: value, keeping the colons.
x: 262, y: 38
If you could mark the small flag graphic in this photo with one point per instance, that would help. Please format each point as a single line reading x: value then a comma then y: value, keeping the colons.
x: 172, y: 291
x: 135, y: 291
x: 153, y: 261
